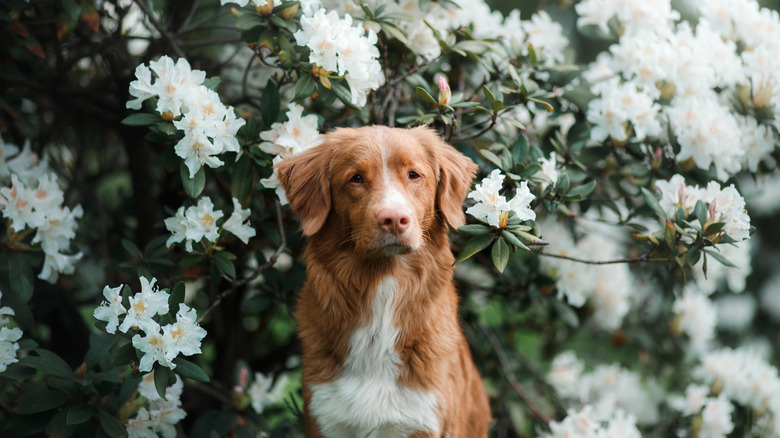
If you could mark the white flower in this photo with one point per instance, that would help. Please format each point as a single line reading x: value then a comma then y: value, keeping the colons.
x: 549, y: 172
x: 194, y: 223
x: 520, y: 204
x: 155, y: 348
x: 185, y: 335
x: 238, y: 222
x: 582, y: 423
x: 162, y: 415
x: 546, y: 37
x: 707, y: 133
x: 9, y: 346
x: 729, y: 208
x: 493, y: 207
x: 111, y: 309
x: 697, y: 318
x: 209, y: 126
x: 565, y: 374
x: 619, y: 105
x: 144, y: 305
x: 694, y: 400
x: 262, y: 394
x: 736, y: 312
x: 340, y: 47
x: 716, y: 418
x: 297, y: 134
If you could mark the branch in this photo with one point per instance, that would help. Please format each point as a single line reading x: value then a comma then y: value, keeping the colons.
x: 637, y: 259
x: 510, y: 377
x: 168, y: 37
x: 259, y: 270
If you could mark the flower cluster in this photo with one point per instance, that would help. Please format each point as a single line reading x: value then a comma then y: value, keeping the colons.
x: 159, y: 344
x: 724, y: 205
x: 208, y: 125
x: 740, y: 377
x: 283, y: 140
x: 706, y: 83
x: 493, y: 207
x: 263, y: 392
x: 606, y: 389
x: 158, y: 416
x: 34, y: 202
x: 605, y: 288
x: 586, y: 423
x: 8, y: 338
x: 198, y: 222
x: 697, y: 317
x: 338, y: 46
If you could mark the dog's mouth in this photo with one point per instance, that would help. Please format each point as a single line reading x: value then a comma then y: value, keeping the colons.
x: 390, y: 245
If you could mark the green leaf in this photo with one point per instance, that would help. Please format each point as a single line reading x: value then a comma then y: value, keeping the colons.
x: 111, y: 425
x: 488, y: 94
x: 79, y: 413
x: 692, y: 256
x: 192, y: 186
x: 223, y: 263
x: 124, y: 355
x: 22, y: 280
x: 269, y: 103
x: 653, y: 203
x: 49, y: 363
x: 176, y: 298
x: 190, y: 370
x: 423, y: 94
x: 161, y: 381
x: 719, y: 257
x: 583, y: 190
x: 564, y: 183
x: 492, y: 157
x: 131, y: 248
x: 474, y: 229
x: 58, y: 425
x: 700, y: 211
x: 473, y: 246
x: 39, y: 399
x: 513, y: 240
x: 242, y: 179
x: 500, y: 254
x: 304, y: 87
x: 141, y: 119
x: 249, y: 20
x: 566, y: 313
x: 212, y: 83
x: 714, y: 228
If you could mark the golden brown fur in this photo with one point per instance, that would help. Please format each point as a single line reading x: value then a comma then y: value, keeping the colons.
x: 348, y: 253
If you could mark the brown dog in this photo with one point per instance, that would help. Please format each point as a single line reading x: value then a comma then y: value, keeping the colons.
x: 383, y: 353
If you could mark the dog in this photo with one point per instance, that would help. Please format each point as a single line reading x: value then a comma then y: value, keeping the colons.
x: 383, y: 353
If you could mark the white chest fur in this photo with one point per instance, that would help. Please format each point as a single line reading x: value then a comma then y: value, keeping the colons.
x: 366, y: 400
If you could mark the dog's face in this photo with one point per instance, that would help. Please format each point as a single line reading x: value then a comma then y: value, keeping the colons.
x: 381, y: 188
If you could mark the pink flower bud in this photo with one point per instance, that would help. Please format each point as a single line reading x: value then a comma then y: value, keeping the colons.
x: 444, y: 90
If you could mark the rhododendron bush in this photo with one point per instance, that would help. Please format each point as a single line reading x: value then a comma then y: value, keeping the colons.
x: 618, y: 272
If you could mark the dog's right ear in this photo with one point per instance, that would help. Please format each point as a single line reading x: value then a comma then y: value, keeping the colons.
x: 304, y: 178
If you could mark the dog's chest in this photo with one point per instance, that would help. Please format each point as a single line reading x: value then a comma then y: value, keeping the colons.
x: 366, y: 400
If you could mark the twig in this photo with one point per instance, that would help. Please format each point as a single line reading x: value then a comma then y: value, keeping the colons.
x: 259, y: 270
x: 510, y: 377
x: 145, y: 8
x: 637, y: 259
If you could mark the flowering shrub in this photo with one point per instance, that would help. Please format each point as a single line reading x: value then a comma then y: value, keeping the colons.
x: 617, y: 273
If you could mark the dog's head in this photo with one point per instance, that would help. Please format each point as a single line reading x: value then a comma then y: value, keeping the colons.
x: 381, y: 188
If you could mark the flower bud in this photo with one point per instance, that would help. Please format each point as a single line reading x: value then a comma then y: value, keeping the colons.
x: 289, y: 12
x: 167, y: 116
x: 266, y: 9
x: 444, y: 90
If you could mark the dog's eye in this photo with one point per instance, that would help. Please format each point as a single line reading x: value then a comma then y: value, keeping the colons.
x: 413, y: 175
x: 356, y: 179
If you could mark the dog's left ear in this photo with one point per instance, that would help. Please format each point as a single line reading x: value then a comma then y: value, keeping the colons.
x: 456, y: 171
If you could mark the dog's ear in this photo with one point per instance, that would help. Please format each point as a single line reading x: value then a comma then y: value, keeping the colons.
x: 304, y: 178
x: 456, y: 171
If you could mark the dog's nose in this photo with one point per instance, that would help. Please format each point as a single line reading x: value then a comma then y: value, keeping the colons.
x: 393, y: 221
